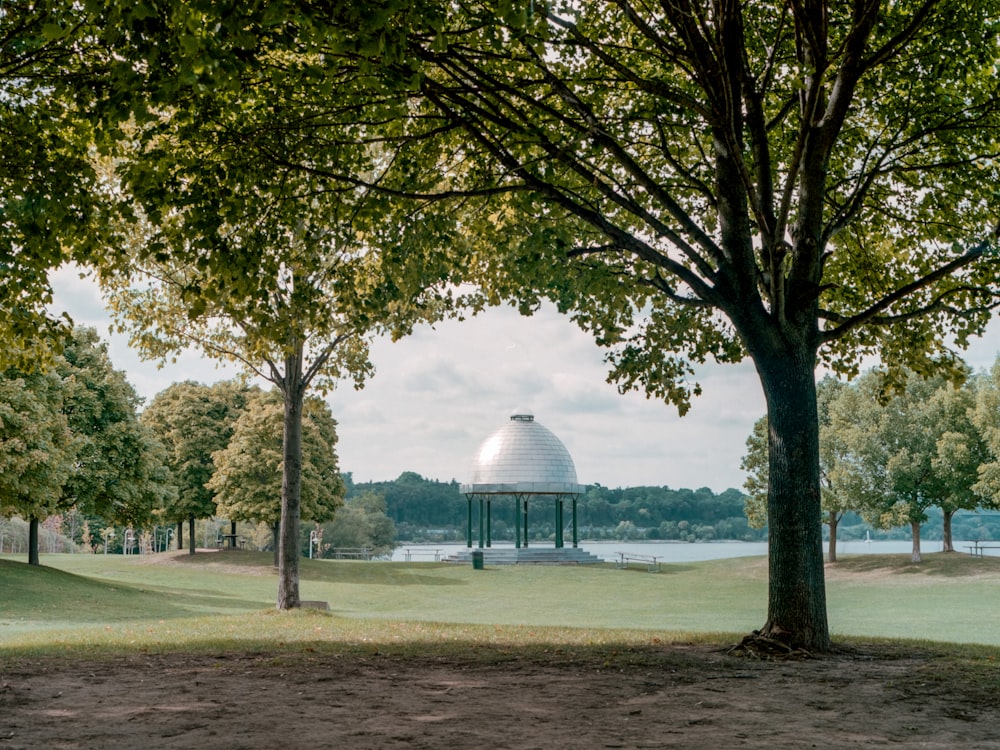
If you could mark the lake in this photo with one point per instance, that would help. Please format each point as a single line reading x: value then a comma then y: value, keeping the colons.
x: 680, y: 551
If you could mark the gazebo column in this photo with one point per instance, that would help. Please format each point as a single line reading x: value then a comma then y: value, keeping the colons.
x: 517, y: 522
x: 559, y: 522
x: 468, y: 534
x: 576, y: 536
x: 525, y: 522
x: 481, y: 522
x: 489, y: 522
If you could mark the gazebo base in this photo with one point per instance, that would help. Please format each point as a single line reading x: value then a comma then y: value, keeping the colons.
x: 529, y: 556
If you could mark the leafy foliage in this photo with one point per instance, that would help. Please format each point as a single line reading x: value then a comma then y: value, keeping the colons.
x: 119, y: 471
x: 247, y: 478
x: 193, y: 421
x: 796, y: 183
x: 424, y: 509
x: 892, y: 455
x: 71, y: 439
x: 37, y: 447
x: 53, y: 66
x: 361, y: 522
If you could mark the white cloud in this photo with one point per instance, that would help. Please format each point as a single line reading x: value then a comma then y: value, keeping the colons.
x: 439, y: 393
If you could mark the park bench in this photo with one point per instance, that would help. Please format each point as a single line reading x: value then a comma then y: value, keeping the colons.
x: 651, y: 562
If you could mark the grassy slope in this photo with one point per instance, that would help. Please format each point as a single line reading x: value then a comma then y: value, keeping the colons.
x: 213, y: 598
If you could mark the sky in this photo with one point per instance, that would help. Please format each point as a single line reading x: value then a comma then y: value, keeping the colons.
x: 439, y: 393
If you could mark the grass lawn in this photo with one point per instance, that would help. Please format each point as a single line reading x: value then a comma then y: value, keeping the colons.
x: 162, y: 601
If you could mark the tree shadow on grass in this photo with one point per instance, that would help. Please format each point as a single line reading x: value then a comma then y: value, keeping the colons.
x: 942, y: 564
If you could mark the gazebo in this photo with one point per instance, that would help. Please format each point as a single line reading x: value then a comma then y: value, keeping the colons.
x: 523, y: 461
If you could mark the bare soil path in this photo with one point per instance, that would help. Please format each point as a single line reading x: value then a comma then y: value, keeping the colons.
x: 670, y: 697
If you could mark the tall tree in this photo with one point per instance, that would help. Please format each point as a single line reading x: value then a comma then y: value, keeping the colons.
x: 118, y: 472
x: 192, y: 421
x: 279, y: 270
x: 960, y: 451
x: 37, y: 448
x: 247, y: 476
x: 791, y: 182
x: 769, y: 179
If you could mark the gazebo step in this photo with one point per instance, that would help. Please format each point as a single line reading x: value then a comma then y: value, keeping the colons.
x: 529, y: 556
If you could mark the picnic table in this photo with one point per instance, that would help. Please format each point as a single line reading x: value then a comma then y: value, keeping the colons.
x: 231, y: 541
x: 978, y: 548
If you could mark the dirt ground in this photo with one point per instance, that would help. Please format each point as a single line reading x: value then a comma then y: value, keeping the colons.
x: 674, y: 696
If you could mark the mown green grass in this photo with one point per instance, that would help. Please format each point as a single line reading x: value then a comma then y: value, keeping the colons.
x: 209, y: 601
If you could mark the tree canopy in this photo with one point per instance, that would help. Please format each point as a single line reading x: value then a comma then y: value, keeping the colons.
x: 247, y: 476
x: 193, y: 421
x: 794, y: 182
x: 53, y: 66
x: 72, y: 439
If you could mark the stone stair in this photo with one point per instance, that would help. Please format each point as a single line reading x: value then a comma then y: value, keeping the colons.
x: 528, y: 556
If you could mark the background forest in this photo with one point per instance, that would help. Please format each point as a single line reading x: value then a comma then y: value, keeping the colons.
x: 914, y: 459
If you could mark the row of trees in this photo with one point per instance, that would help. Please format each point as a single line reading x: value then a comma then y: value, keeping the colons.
x: 223, y: 446
x: 793, y: 181
x: 70, y: 439
x: 892, y: 451
x: 72, y: 444
x: 431, y: 510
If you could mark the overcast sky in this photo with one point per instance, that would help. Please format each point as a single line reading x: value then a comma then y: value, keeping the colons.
x: 439, y: 393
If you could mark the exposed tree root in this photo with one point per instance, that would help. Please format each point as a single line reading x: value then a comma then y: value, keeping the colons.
x: 760, y: 646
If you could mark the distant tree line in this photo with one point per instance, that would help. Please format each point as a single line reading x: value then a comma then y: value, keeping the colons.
x: 426, y: 510
x: 81, y: 468
x: 898, y: 453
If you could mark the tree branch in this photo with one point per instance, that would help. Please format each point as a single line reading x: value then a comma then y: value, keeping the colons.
x: 872, y: 313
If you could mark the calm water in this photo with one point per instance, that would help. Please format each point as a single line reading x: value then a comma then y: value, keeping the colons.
x: 681, y: 551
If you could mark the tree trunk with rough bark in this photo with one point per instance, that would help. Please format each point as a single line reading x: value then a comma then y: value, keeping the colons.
x: 180, y: 535
x: 192, y: 544
x: 796, y: 608
x: 291, y: 486
x: 833, y: 520
x: 33, y: 541
x: 915, y: 532
x: 947, y: 543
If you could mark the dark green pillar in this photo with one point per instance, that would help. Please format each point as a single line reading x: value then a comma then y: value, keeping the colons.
x: 525, y: 522
x: 559, y: 523
x: 468, y: 535
x: 576, y: 536
x: 489, y: 523
x: 481, y: 519
x: 517, y: 522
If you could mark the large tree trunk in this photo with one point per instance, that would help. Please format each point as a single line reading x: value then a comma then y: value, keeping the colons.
x: 948, y: 544
x: 191, y: 540
x: 796, y: 606
x: 833, y: 520
x: 291, y: 487
x: 180, y: 535
x: 915, y: 533
x: 33, y: 541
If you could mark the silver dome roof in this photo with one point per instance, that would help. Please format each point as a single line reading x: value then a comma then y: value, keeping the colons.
x: 520, y: 458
